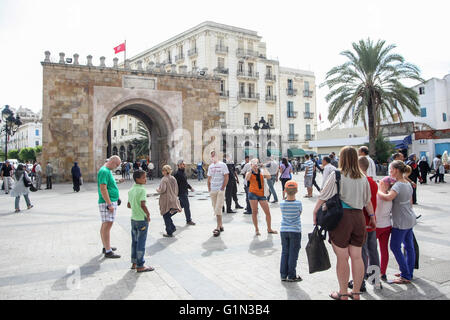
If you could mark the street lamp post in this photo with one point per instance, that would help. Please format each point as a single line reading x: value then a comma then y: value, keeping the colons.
x: 12, y: 123
x: 262, y: 125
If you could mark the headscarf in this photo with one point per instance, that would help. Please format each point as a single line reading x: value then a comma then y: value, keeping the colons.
x: 19, y: 172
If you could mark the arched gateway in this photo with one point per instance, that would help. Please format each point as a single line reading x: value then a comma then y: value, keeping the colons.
x: 80, y: 100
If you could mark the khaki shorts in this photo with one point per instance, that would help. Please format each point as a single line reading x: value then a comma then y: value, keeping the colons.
x: 217, y: 198
x: 351, y: 230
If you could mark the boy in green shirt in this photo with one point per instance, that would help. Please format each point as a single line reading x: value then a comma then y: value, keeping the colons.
x: 140, y: 218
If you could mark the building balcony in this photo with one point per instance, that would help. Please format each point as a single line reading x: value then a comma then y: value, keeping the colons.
x: 292, y: 114
x: 192, y: 52
x: 270, y: 77
x: 292, y: 137
x: 224, y: 94
x: 307, y: 93
x: 221, y: 49
x: 271, y: 98
x: 308, y: 115
x: 248, y: 75
x: 291, y: 92
x: 179, y: 57
x: 249, y: 53
x: 249, y: 96
x: 309, y: 137
x: 221, y: 70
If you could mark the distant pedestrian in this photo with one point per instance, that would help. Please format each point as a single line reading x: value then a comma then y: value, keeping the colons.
x: 218, y: 176
x: 231, y: 189
x: 19, y: 187
x: 309, y: 172
x: 183, y: 192
x: 403, y: 221
x: 169, y: 204
x: 136, y: 166
x: 290, y: 233
x: 333, y: 161
x: 437, y: 161
x: 200, y: 171
x: 372, y: 171
x: 286, y: 174
x: 140, y: 219
x: 256, y: 195
x: 414, y: 176
x: 38, y: 176
x: 246, y: 168
x: 151, y: 167
x: 316, y: 168
x: 76, y: 177
x: 108, y: 201
x: 6, y: 174
x: 273, y: 169
x: 424, y: 168
x: 49, y: 175
x: 441, y: 173
x: 33, y: 171
x: 127, y: 170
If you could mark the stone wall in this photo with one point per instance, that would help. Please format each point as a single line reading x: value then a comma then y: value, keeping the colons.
x: 69, y: 108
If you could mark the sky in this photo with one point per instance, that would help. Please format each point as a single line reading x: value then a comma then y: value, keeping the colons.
x: 307, y: 35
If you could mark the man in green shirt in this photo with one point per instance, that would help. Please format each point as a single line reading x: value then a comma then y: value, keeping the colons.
x: 108, y: 194
x: 140, y: 218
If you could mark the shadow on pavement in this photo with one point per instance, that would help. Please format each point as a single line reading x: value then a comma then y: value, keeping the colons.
x: 262, y: 248
x: 213, y: 244
x: 86, y: 270
x: 163, y: 243
x: 122, y: 288
x: 294, y: 292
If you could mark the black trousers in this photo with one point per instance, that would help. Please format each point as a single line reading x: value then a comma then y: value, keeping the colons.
x: 49, y: 182
x: 314, y: 181
x: 76, y: 184
x: 231, y: 194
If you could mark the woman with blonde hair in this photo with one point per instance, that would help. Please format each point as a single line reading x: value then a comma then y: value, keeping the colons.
x: 350, y: 234
x: 256, y: 194
x: 168, y: 199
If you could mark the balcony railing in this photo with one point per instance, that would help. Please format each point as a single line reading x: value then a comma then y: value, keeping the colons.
x: 308, y: 115
x: 221, y: 70
x: 292, y: 114
x: 291, y: 92
x: 270, y: 77
x: 241, y: 53
x: 248, y: 74
x: 179, y: 57
x: 292, y: 137
x: 192, y: 52
x: 224, y: 94
x: 307, y: 93
x: 221, y: 49
x: 248, y: 96
x: 271, y: 98
x: 309, y: 137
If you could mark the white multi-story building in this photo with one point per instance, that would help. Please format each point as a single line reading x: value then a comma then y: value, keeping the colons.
x: 123, y: 131
x: 252, y: 86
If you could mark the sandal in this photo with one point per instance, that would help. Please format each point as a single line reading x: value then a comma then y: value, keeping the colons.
x: 221, y: 229
x: 133, y: 267
x: 400, y: 281
x: 17, y: 210
x: 351, y: 295
x: 338, y: 296
x: 257, y: 233
x: 145, y: 269
x: 272, y: 231
x: 216, y: 232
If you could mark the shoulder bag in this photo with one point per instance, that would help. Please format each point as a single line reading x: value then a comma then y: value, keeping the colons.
x: 330, y: 213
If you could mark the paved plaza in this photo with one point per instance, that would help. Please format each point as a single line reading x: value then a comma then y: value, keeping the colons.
x: 53, y: 251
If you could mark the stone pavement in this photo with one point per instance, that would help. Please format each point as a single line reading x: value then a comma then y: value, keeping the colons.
x: 53, y: 251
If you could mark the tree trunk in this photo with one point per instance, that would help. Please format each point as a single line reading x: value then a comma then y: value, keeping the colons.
x: 372, y: 133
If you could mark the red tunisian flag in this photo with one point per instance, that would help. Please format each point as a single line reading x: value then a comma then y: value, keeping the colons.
x: 119, y: 48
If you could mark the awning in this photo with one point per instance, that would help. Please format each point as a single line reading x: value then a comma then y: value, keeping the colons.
x: 402, y: 144
x: 273, y: 152
x: 311, y: 152
x: 294, y: 153
x: 251, y: 152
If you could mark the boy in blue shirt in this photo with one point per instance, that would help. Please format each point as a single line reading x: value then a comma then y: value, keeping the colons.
x: 290, y: 233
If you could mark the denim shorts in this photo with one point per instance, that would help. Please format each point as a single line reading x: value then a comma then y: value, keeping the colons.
x: 252, y: 196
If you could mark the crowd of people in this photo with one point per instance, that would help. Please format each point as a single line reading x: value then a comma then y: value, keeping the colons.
x: 372, y: 210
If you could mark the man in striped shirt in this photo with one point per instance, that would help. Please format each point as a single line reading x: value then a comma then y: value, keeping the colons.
x: 309, y: 171
x: 290, y: 233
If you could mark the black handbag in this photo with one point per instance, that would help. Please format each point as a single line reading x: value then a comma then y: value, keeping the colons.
x: 28, y: 183
x: 316, y: 252
x: 330, y: 213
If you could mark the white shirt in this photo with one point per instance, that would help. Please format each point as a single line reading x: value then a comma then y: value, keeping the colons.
x: 38, y: 168
x: 326, y: 172
x: 372, y: 170
x: 247, y: 167
x: 151, y: 166
x: 272, y: 167
x: 217, y: 172
x: 383, y: 213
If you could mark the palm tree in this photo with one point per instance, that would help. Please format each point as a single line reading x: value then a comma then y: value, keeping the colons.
x: 368, y: 87
x: 141, y: 145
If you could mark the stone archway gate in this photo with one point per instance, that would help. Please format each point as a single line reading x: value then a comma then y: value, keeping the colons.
x: 79, y: 101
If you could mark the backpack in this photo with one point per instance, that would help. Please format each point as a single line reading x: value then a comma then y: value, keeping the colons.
x: 330, y: 213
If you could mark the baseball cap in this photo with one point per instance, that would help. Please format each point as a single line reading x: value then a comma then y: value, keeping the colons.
x: 291, y: 184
